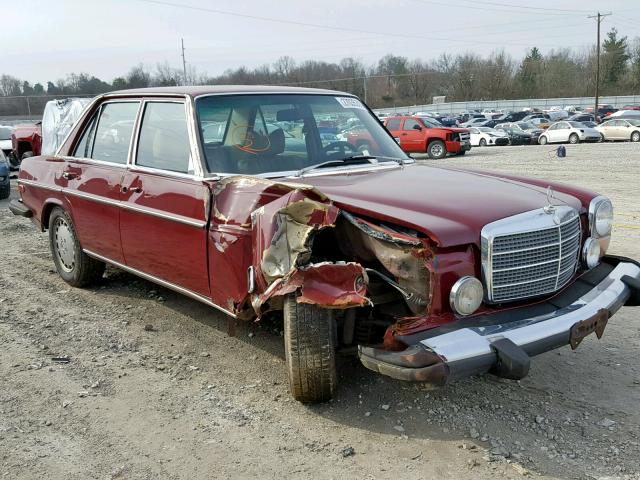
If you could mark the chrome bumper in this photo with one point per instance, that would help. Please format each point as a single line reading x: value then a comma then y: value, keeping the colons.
x: 505, y: 348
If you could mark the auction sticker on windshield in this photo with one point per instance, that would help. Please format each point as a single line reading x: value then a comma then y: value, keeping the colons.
x: 348, y: 102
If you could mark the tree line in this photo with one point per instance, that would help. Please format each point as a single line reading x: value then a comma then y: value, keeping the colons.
x: 394, y: 80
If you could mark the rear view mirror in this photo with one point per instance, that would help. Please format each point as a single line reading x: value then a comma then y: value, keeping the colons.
x: 290, y: 115
x: 417, y: 127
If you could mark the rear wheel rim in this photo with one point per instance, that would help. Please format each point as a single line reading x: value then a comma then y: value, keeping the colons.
x: 635, y: 137
x: 64, y: 243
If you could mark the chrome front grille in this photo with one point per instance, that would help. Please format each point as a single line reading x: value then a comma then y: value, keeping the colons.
x: 464, y: 137
x: 531, y: 254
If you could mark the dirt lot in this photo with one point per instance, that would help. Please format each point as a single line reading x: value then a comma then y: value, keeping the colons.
x: 154, y: 388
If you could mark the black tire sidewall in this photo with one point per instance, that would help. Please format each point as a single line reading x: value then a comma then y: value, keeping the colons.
x: 635, y: 137
x: 482, y: 143
x: 575, y: 138
x: 543, y: 140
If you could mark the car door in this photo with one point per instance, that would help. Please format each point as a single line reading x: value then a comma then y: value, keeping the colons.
x: 412, y: 135
x: 165, y: 203
x: 623, y: 132
x: 393, y: 125
x: 93, y: 175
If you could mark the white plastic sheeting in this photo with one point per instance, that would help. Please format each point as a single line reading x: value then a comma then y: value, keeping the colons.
x: 57, y: 120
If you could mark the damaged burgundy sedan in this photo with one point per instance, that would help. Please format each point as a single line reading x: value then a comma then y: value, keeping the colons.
x: 234, y: 196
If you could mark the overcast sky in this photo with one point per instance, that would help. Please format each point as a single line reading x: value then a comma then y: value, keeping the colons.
x: 44, y: 40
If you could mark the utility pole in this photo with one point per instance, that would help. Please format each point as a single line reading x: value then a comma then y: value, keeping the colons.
x: 184, y: 62
x: 364, y: 79
x: 599, y: 17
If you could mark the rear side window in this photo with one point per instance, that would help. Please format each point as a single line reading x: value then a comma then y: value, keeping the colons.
x: 113, y: 133
x: 164, y: 138
x: 393, y: 124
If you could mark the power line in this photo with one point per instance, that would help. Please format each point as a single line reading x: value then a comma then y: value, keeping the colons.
x: 546, y: 9
x: 502, y: 10
x: 322, y: 26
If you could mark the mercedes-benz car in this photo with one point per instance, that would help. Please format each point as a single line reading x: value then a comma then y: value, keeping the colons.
x: 430, y: 273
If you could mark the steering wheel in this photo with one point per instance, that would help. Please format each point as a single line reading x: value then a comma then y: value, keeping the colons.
x: 341, y: 148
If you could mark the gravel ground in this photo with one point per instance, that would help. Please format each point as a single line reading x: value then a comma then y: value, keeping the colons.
x: 129, y: 380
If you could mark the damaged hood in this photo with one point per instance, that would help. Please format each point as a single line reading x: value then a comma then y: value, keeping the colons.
x: 451, y: 206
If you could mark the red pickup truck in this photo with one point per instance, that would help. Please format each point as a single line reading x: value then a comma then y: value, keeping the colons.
x: 426, y: 135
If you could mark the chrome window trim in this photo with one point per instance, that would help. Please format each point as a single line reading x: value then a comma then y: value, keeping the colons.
x: 91, y: 161
x: 539, y: 220
x: 159, y: 281
x: 194, y: 151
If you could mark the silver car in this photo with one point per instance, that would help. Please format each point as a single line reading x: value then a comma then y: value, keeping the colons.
x: 622, y: 129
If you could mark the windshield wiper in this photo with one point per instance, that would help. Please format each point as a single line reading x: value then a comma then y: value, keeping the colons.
x: 353, y: 159
x: 336, y: 161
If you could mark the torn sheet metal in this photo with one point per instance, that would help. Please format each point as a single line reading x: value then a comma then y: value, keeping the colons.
x: 407, y: 258
x: 329, y: 285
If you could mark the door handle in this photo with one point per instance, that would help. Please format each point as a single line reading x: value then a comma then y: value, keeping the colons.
x: 404, y: 134
x: 131, y: 189
x: 68, y: 175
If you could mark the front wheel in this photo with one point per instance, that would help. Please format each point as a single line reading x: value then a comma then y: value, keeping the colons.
x: 483, y: 142
x: 74, y: 266
x: 635, y: 137
x: 436, y: 149
x: 310, y: 351
x: 573, y: 138
x: 543, y: 140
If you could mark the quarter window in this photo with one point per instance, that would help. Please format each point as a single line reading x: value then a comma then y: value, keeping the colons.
x: 164, y: 139
x: 112, y: 134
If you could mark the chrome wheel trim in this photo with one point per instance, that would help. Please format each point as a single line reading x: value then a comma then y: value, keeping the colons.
x: 635, y: 137
x: 64, y: 244
x: 436, y: 150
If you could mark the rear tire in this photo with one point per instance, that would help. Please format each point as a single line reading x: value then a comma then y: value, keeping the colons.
x: 635, y: 137
x: 74, y: 266
x: 574, y: 139
x: 437, y: 149
x: 310, y: 351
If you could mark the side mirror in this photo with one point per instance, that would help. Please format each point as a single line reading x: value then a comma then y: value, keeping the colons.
x: 417, y: 127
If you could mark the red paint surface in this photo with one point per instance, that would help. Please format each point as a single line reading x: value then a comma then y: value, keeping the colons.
x: 416, y: 141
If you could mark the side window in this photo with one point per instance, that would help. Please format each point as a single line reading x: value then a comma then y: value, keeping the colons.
x: 410, y: 123
x: 164, y: 138
x: 393, y: 124
x: 113, y: 132
x: 83, y: 149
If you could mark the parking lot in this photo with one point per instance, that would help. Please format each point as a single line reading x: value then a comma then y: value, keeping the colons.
x: 129, y: 380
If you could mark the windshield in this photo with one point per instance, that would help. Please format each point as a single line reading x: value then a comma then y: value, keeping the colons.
x: 635, y: 123
x: 577, y: 124
x: 255, y: 134
x: 526, y: 126
x: 5, y: 133
x: 486, y: 129
x: 431, y: 122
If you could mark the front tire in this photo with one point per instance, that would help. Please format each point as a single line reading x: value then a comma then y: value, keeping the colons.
x: 74, y: 266
x: 483, y: 142
x: 543, y: 140
x: 573, y: 139
x: 437, y: 149
x: 310, y: 351
x: 635, y: 137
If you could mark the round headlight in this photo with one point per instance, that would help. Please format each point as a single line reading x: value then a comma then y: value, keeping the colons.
x: 591, y: 252
x: 466, y: 295
x: 601, y: 217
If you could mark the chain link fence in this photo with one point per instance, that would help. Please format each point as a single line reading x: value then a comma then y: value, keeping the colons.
x: 514, y: 105
x: 27, y: 107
